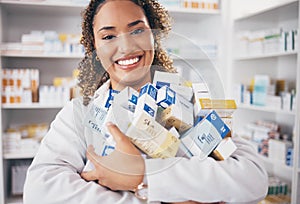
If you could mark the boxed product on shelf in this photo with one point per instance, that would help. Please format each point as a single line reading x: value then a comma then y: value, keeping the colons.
x: 201, y: 4
x: 20, y: 85
x: 45, y: 42
x: 18, y: 175
x: 267, y: 41
x: 169, y: 4
x: 278, y: 150
x: 11, y: 48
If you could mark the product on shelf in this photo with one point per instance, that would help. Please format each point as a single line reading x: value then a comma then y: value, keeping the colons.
x: 45, y: 42
x: 274, y: 94
x: 24, y: 138
x: 267, y: 41
x: 20, y: 85
x: 192, y: 4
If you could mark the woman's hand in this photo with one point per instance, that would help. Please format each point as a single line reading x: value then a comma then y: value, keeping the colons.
x: 123, y: 169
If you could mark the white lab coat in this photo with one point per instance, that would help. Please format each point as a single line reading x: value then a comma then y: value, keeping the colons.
x: 53, y: 176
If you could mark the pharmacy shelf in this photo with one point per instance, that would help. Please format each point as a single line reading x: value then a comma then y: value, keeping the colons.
x: 44, y: 55
x: 278, y: 169
x: 193, y: 11
x: 266, y: 109
x: 80, y: 56
x: 266, y: 55
x: 276, y: 163
x: 19, y: 155
x: 31, y: 106
x: 15, y: 200
x: 58, y: 8
x: 62, y: 6
x: 43, y: 3
x: 262, y: 11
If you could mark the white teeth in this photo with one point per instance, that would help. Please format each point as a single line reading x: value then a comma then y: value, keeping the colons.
x: 128, y: 62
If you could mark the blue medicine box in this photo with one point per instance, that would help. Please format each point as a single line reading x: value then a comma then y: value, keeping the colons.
x: 165, y: 97
x: 150, y: 90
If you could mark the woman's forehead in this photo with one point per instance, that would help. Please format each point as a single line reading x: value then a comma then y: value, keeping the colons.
x: 117, y: 11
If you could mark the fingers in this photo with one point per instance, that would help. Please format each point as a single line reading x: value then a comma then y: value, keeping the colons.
x: 89, y: 175
x: 115, y: 132
x: 123, y: 143
x: 91, y: 155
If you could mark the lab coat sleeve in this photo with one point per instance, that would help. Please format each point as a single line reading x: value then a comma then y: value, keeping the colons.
x: 54, y: 175
x: 238, y: 179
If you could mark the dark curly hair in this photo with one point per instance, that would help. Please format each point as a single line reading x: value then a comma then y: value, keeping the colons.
x: 91, y: 73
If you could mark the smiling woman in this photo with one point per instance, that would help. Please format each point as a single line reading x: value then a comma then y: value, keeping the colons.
x: 122, y: 42
x: 122, y: 39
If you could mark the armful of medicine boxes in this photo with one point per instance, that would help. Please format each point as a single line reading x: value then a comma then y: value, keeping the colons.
x: 167, y: 119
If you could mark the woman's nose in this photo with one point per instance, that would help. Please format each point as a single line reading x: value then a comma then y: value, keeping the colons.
x: 126, y: 43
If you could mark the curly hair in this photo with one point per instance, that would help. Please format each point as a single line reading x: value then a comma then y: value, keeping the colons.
x: 91, y: 73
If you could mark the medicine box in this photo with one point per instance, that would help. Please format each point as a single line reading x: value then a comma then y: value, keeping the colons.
x: 165, y: 97
x: 208, y: 133
x: 127, y: 98
x: 147, y: 101
x: 224, y: 149
x: 224, y: 107
x: 152, y: 138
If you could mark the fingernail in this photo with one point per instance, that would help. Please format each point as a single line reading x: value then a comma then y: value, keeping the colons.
x: 109, y: 124
x: 91, y: 147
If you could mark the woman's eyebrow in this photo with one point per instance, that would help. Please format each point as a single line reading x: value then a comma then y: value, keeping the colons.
x: 129, y: 25
x: 106, y: 28
x: 135, y: 23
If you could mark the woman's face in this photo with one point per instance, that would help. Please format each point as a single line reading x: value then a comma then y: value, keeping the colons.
x: 124, y: 43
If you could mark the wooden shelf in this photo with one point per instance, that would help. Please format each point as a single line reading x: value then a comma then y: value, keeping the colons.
x: 266, y: 109
x: 267, y: 55
x: 31, y: 106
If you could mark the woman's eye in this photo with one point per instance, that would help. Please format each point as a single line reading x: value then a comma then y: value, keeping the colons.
x: 137, y: 31
x: 108, y: 37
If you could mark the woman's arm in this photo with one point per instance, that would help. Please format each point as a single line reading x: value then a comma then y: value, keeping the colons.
x: 53, y: 176
x: 239, y: 179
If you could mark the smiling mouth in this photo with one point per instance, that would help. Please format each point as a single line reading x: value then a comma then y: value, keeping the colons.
x: 129, y: 61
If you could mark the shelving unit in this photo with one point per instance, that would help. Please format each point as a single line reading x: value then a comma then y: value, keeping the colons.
x: 30, y: 106
x: 50, y: 55
x: 266, y: 55
x: 20, y: 155
x: 18, y: 17
x: 266, y: 109
x: 283, y: 65
x: 21, y: 17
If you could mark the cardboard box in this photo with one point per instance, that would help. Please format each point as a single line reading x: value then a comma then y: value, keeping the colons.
x: 127, y: 98
x: 224, y: 107
x: 179, y: 115
x: 165, y: 97
x: 207, y: 134
x: 166, y: 78
x: 224, y: 149
x: 152, y: 138
x: 147, y: 101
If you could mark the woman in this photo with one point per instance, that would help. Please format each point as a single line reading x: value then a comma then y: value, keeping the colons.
x: 122, y: 50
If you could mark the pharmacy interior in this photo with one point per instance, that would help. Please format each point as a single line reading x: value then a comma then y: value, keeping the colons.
x: 246, y: 53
